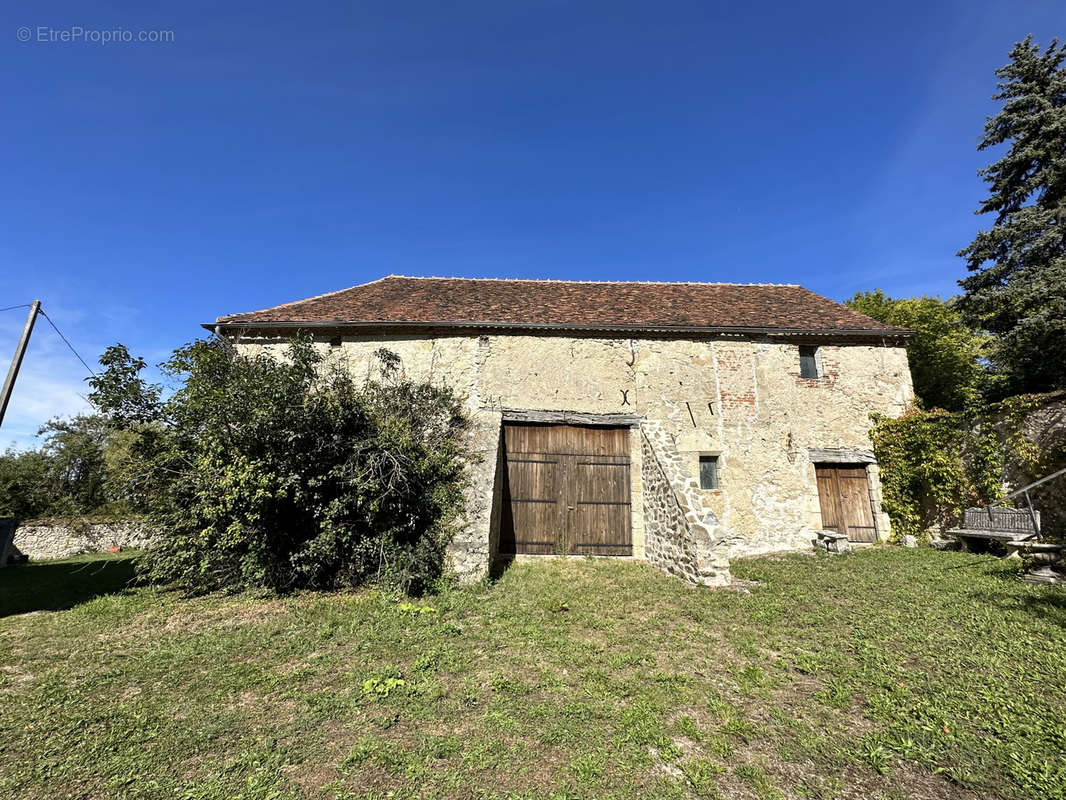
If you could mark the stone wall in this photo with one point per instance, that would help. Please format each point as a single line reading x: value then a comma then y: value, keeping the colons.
x: 47, y: 539
x: 678, y: 539
x: 1044, y: 428
x: 472, y: 548
x: 741, y: 399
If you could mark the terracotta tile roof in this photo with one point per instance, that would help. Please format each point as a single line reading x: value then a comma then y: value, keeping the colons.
x: 397, y: 300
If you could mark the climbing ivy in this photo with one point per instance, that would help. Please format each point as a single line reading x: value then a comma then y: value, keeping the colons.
x: 936, y: 463
x: 1023, y: 449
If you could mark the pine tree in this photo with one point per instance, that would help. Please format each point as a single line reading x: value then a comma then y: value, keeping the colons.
x: 1018, y: 286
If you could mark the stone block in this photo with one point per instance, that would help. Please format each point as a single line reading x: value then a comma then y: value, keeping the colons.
x: 832, y: 542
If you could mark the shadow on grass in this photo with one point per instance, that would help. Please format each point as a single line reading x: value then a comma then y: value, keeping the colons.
x: 1051, y: 605
x: 499, y: 565
x: 58, y: 585
x: 1048, y: 605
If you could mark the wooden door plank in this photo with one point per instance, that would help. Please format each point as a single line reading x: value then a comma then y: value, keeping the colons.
x: 827, y: 499
x: 855, y: 500
x: 601, y: 519
x: 531, y: 519
x: 844, y: 499
x: 567, y: 490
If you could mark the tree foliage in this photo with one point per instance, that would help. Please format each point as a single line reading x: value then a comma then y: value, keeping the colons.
x: 944, y: 353
x: 77, y: 471
x: 1017, y: 288
x: 283, y: 472
x: 25, y: 490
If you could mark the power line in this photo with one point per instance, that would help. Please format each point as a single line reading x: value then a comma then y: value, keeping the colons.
x: 68, y: 344
x: 22, y: 305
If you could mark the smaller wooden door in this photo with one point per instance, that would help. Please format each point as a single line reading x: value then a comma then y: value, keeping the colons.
x: 844, y: 496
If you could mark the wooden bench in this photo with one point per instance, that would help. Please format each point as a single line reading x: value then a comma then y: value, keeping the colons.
x: 998, y: 524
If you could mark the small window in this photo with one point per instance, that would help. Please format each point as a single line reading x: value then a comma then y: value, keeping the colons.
x: 335, y: 341
x: 708, y: 472
x: 808, y: 361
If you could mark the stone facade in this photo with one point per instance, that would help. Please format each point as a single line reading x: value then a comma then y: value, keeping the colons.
x: 739, y: 398
x: 46, y: 539
x: 679, y: 538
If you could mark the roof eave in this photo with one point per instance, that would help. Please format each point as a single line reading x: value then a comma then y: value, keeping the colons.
x: 870, y: 333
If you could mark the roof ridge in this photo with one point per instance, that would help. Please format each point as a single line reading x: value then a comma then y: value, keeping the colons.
x: 563, y: 280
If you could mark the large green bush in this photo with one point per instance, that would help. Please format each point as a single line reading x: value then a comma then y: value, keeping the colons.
x: 285, y: 472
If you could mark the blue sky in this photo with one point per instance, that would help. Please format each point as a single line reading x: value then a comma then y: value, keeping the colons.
x: 271, y: 152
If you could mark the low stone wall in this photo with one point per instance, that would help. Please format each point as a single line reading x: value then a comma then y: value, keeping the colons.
x: 57, y: 538
x: 1045, y: 431
x: 677, y: 541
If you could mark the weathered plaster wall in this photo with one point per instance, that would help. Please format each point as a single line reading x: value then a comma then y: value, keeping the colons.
x: 47, y: 539
x: 742, y: 400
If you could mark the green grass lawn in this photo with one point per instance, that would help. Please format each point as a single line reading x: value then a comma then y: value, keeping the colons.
x: 888, y: 673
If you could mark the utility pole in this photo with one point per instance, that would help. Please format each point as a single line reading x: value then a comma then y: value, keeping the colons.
x: 16, y: 362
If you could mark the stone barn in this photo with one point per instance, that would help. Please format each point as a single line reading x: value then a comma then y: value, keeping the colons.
x: 681, y: 423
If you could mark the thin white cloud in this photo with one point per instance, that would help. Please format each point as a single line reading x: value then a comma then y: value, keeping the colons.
x: 51, y: 382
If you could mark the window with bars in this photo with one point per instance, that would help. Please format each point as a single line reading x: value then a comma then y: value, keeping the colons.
x: 708, y: 472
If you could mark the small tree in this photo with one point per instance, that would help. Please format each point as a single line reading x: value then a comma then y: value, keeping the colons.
x: 73, y: 473
x: 75, y: 449
x: 944, y: 353
x: 25, y: 487
x: 1017, y: 288
x: 284, y: 472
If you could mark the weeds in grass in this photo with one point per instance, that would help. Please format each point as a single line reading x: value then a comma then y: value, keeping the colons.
x: 688, y: 727
x: 382, y: 687
x: 415, y: 608
x: 719, y: 746
x: 757, y: 780
x: 702, y: 774
x: 836, y: 694
x: 670, y: 751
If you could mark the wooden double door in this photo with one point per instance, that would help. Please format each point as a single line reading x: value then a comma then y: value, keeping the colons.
x: 844, y: 495
x: 566, y: 490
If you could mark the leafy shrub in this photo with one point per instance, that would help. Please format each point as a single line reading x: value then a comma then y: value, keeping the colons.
x: 284, y: 472
x: 24, y: 484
